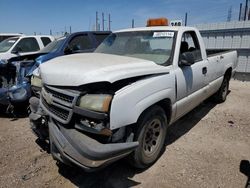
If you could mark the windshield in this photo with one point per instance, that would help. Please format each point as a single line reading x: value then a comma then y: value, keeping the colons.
x: 7, y: 44
x: 155, y: 46
x: 53, y: 46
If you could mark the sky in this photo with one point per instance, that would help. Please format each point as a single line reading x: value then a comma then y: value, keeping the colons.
x: 41, y: 16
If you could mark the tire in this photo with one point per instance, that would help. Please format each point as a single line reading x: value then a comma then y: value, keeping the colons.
x: 151, y: 134
x: 221, y: 94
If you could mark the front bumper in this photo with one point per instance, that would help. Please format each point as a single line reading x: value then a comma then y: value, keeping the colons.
x: 72, y: 146
x: 38, y: 120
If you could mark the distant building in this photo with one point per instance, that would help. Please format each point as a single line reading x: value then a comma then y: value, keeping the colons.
x: 233, y: 35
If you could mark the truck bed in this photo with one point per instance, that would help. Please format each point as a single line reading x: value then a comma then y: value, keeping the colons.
x: 214, y: 52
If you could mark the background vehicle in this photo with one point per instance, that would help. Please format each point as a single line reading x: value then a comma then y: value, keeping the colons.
x: 4, y: 36
x: 22, y: 45
x: 79, y: 42
x: 119, y: 100
x: 16, y: 72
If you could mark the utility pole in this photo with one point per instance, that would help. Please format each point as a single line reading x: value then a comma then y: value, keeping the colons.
x: 50, y: 32
x: 246, y: 8
x: 186, y: 18
x: 103, y: 21
x: 96, y: 21
x: 240, y: 12
x: 248, y: 17
x: 70, y: 29
x: 109, y: 23
x: 133, y: 23
x: 229, y: 16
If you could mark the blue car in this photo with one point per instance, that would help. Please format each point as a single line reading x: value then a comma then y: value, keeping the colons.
x: 15, y: 73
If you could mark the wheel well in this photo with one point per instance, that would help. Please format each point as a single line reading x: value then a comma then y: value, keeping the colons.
x: 166, y: 105
x: 228, y: 73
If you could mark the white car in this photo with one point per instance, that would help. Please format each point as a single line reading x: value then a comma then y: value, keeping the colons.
x: 23, y: 45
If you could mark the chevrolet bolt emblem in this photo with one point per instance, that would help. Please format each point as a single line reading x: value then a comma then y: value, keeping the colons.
x: 47, y: 97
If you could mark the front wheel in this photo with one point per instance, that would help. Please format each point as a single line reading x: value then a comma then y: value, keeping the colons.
x: 221, y: 94
x: 151, y: 133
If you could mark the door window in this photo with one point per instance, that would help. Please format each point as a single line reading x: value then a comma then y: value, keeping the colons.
x: 80, y: 43
x: 45, y: 40
x: 189, y: 43
x: 27, y: 45
x: 100, y: 38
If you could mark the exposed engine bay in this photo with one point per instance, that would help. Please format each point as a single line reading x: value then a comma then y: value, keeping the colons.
x: 14, y: 81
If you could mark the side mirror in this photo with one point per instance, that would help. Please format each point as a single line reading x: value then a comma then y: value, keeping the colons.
x: 16, y: 50
x: 68, y: 50
x: 187, y: 59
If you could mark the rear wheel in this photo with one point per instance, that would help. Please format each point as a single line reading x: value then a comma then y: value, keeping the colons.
x: 151, y: 133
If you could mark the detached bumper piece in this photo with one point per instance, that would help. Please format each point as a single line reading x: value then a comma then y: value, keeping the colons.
x: 72, y: 146
x: 38, y: 121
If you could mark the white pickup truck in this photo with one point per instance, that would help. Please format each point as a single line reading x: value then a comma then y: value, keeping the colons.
x: 120, y: 100
x: 23, y: 45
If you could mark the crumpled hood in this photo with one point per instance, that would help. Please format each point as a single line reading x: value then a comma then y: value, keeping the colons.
x: 80, y: 69
x: 45, y: 57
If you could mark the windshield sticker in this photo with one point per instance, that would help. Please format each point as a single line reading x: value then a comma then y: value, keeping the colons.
x: 11, y: 41
x: 163, y: 34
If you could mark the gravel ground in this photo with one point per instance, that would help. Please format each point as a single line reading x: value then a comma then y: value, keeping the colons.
x: 203, y: 149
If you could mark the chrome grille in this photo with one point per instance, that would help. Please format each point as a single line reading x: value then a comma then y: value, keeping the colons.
x: 61, y: 113
x: 64, y: 97
x: 58, y: 103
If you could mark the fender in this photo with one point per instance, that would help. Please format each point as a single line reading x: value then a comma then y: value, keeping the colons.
x: 129, y: 102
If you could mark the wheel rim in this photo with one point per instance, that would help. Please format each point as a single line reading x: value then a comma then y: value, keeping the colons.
x: 224, y: 90
x: 152, y: 137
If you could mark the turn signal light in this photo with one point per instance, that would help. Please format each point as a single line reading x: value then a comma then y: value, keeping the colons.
x: 157, y: 22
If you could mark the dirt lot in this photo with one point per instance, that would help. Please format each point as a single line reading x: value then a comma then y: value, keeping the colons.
x: 204, y: 149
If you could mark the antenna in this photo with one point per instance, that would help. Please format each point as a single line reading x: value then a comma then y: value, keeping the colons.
x: 186, y: 18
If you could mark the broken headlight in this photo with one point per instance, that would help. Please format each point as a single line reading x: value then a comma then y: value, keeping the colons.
x: 36, y: 79
x: 96, y: 102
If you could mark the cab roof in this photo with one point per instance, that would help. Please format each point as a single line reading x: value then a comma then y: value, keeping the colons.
x: 157, y: 28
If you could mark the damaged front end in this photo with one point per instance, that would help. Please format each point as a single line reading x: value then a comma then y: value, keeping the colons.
x: 14, y: 83
x: 79, y: 125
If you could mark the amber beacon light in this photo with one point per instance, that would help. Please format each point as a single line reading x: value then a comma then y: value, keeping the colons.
x: 157, y: 22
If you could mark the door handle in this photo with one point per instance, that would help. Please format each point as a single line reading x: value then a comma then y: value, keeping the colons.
x: 204, y: 70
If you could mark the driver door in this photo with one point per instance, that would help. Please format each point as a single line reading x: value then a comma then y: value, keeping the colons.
x: 190, y: 80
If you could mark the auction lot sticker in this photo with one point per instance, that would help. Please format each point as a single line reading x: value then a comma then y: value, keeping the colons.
x: 163, y: 34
